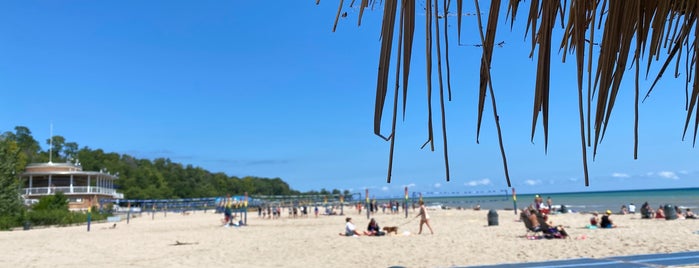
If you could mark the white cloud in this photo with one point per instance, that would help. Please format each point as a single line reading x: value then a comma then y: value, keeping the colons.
x: 573, y: 179
x: 532, y: 182
x: 620, y: 175
x: 485, y: 181
x: 385, y: 188
x: 437, y: 185
x: 410, y: 185
x: 668, y: 175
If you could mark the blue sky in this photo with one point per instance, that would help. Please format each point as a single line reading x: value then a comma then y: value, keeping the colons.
x: 267, y: 89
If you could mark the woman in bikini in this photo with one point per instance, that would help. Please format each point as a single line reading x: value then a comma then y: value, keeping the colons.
x: 424, y: 218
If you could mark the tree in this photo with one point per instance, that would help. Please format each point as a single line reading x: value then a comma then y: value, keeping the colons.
x: 24, y: 139
x: 10, y: 156
x: 56, y: 143
x: 138, y: 178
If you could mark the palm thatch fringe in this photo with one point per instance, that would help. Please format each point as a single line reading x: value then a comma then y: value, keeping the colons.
x: 631, y: 32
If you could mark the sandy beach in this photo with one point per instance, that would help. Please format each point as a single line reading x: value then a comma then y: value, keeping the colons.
x: 461, y: 238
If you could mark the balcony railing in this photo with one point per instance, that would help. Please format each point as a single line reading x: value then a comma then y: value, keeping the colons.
x: 73, y: 190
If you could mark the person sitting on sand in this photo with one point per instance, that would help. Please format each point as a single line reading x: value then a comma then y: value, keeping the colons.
x: 373, y: 229
x: 688, y: 214
x: 623, y: 210
x: 606, y: 222
x: 646, y: 211
x: 350, y: 230
x: 660, y: 213
x: 678, y: 212
x: 594, y: 220
x: 534, y: 219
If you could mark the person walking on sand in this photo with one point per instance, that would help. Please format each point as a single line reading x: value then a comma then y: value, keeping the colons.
x: 424, y: 218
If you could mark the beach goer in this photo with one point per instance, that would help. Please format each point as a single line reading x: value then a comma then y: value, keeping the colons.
x: 534, y: 219
x: 688, y: 214
x: 373, y: 229
x: 227, y: 211
x: 424, y: 218
x: 549, y: 203
x: 607, y: 222
x: 624, y: 210
x: 678, y: 212
x: 556, y: 231
x: 632, y: 208
x: 538, y: 202
x: 646, y: 211
x: 660, y: 213
x: 315, y: 210
x: 594, y: 220
x: 350, y: 229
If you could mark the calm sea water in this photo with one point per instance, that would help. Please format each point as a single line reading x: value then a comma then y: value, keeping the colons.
x: 580, y: 201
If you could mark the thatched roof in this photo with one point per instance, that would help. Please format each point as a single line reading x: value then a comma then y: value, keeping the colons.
x: 631, y: 32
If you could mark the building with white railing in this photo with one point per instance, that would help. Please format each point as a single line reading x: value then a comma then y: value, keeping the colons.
x: 82, y: 188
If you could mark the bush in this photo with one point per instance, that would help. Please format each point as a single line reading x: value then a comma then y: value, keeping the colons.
x: 57, y: 201
x: 48, y: 217
x: 60, y: 217
x: 8, y: 222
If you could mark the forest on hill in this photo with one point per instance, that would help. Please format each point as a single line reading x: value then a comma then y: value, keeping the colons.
x: 158, y: 178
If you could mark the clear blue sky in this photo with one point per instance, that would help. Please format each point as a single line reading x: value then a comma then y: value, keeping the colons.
x: 267, y: 89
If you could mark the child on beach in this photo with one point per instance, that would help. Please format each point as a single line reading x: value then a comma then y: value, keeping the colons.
x: 594, y: 220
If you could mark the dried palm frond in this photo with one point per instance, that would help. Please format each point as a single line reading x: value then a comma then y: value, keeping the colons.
x: 631, y: 31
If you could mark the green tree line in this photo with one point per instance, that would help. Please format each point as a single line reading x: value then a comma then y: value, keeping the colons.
x: 159, y: 178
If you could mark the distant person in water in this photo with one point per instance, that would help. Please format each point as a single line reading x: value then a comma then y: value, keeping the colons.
x: 424, y: 218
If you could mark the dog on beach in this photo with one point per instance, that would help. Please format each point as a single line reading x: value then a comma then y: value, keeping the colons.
x: 391, y: 229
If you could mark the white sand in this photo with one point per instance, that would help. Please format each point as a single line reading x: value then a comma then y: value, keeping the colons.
x: 461, y: 238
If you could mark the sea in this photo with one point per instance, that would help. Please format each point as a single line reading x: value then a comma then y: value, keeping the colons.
x: 574, y: 202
